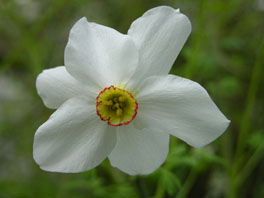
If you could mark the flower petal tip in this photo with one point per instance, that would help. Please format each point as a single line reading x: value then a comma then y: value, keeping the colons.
x: 161, y: 9
x: 82, y: 19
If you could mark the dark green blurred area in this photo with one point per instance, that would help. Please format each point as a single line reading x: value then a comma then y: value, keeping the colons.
x: 224, y: 53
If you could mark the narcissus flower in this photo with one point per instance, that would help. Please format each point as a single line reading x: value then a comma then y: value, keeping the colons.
x: 115, y: 99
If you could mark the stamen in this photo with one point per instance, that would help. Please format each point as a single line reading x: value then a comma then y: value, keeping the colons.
x: 108, y: 103
x: 116, y: 106
x: 119, y: 112
x: 121, y: 99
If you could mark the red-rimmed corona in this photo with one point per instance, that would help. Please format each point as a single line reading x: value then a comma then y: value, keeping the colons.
x: 116, y: 106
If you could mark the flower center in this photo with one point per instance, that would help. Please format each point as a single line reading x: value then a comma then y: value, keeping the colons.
x: 116, y: 106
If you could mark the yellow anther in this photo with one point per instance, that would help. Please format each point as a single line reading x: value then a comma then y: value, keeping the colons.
x: 121, y: 99
x: 119, y: 112
x: 116, y: 105
x: 108, y: 103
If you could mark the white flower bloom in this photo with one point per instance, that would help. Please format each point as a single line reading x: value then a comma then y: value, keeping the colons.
x: 115, y: 99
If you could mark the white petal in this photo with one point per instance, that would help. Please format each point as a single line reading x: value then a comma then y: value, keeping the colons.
x: 182, y: 108
x: 159, y: 35
x: 100, y: 55
x: 56, y: 85
x: 139, y: 151
x: 74, y: 138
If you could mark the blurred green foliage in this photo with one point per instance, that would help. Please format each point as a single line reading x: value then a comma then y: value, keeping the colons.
x: 225, y: 53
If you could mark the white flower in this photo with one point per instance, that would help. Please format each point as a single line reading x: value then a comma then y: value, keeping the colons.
x: 111, y: 79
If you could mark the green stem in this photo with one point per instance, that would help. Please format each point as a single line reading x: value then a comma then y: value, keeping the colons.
x: 188, y: 184
x: 238, y: 180
x: 159, y: 192
x: 226, y: 148
x: 245, y: 125
x: 253, y: 88
x: 250, y: 165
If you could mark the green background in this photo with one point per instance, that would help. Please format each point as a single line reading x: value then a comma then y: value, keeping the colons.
x: 224, y: 53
